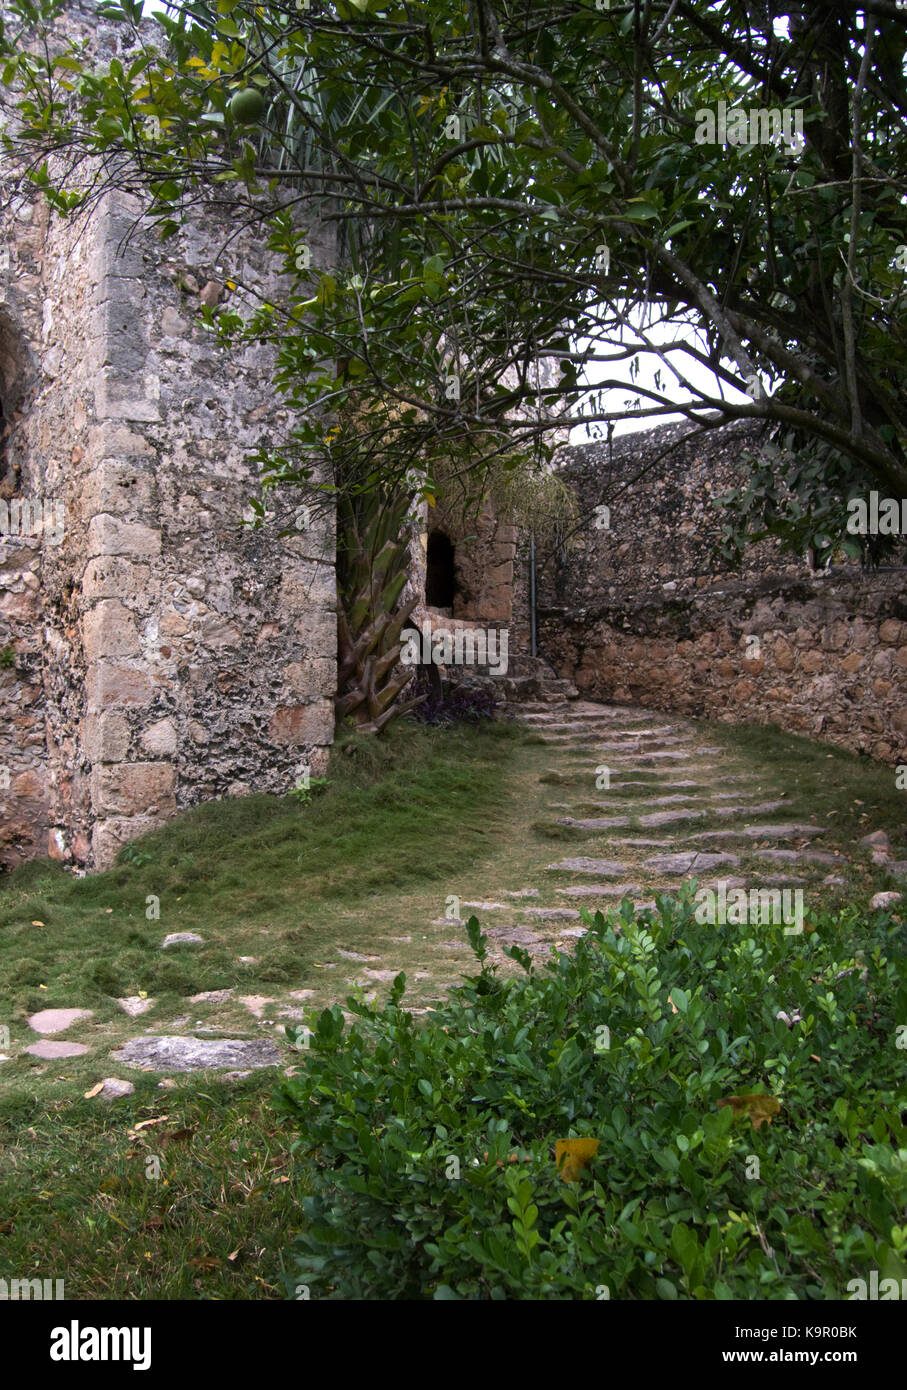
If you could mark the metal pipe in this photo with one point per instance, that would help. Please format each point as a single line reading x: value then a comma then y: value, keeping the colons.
x: 533, y: 643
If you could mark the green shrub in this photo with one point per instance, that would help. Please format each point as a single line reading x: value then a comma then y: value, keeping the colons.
x: 414, y: 1137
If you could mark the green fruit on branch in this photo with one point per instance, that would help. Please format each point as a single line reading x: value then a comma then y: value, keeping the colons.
x: 247, y: 106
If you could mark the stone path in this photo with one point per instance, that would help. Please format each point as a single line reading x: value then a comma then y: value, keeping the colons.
x: 643, y: 804
x: 629, y: 771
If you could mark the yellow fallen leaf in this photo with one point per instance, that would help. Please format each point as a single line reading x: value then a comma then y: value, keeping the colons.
x: 42, y: 986
x: 234, y: 1253
x: 37, y: 924
x: 760, y: 1108
x: 95, y: 1090
x: 143, y: 994
x: 573, y: 1155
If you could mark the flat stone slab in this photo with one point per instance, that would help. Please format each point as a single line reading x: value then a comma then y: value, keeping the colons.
x: 50, y: 1050
x: 657, y: 818
x: 514, y: 936
x: 57, y: 1020
x: 550, y: 914
x: 685, y: 863
x: 652, y: 786
x: 521, y: 893
x: 574, y: 931
x: 172, y: 1053
x: 609, y: 823
x: 800, y: 856
x: 211, y: 996
x: 604, y: 890
x: 490, y: 907
x: 898, y: 867
x: 134, y: 1005
x: 762, y: 808
x: 877, y: 838
x: 608, y: 868
x: 885, y: 899
x: 182, y: 938
x: 781, y: 832
x: 761, y: 832
x: 354, y: 955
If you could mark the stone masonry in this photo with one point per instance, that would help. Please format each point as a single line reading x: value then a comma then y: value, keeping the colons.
x: 158, y: 651
x: 639, y: 610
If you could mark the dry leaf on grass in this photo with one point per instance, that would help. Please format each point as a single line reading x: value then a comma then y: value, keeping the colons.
x: 760, y: 1108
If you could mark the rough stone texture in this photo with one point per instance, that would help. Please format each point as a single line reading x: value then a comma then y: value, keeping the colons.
x: 134, y: 1005
x: 163, y: 651
x: 173, y: 1053
x: 641, y: 613
x: 114, y: 1088
x: 688, y: 863
x: 182, y: 938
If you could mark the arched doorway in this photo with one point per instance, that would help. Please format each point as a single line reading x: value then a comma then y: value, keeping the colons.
x: 440, y: 571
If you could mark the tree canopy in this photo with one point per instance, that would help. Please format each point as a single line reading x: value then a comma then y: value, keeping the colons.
x: 528, y: 196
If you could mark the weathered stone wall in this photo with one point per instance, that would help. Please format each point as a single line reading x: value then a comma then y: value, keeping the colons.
x: 164, y: 652
x: 484, y: 550
x: 640, y: 611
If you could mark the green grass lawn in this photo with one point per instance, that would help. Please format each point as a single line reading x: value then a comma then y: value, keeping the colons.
x: 262, y: 877
x: 406, y: 821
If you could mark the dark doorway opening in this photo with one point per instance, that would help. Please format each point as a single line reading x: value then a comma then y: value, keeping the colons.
x: 440, y: 576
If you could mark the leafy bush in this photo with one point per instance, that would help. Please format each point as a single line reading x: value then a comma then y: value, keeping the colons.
x: 414, y: 1138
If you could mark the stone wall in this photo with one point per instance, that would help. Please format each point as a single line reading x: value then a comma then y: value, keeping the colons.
x: 640, y: 610
x: 163, y: 652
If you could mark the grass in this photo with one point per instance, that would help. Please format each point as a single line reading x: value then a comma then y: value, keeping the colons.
x: 366, y: 870
x: 413, y: 808
x: 196, y: 1204
x: 263, y: 877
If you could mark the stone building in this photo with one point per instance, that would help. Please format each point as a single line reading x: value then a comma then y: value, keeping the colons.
x: 156, y: 651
